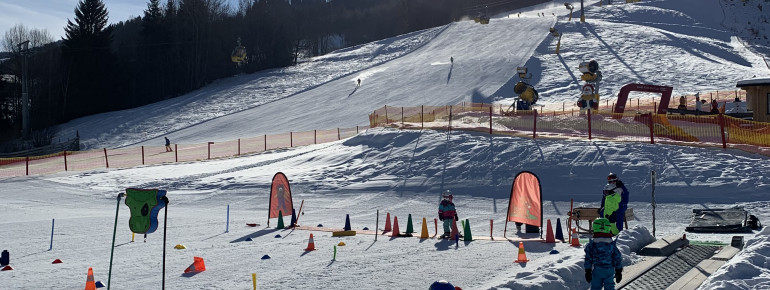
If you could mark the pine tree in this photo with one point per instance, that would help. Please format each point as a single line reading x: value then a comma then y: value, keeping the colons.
x: 88, y: 60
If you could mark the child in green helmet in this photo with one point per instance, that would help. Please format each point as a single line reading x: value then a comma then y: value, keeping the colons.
x: 603, y: 262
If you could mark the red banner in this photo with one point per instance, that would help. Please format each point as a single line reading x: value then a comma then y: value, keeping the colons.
x: 525, y: 205
x: 280, y: 196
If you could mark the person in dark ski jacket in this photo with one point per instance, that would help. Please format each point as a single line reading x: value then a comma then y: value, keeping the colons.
x: 447, y: 212
x: 603, y: 262
x: 168, y: 145
x: 614, y: 202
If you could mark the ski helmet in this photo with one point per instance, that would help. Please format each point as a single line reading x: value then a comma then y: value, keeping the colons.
x: 441, y: 285
x: 609, y: 189
x: 448, y: 195
x: 602, y: 225
x: 612, y: 177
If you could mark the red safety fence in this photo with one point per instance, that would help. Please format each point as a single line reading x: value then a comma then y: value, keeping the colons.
x: 717, y: 130
x: 147, y: 155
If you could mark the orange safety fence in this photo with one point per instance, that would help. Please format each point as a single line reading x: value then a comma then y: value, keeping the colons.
x: 147, y: 155
x: 717, y: 130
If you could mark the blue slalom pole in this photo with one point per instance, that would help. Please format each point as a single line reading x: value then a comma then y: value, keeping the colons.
x: 52, y: 223
x: 227, y: 228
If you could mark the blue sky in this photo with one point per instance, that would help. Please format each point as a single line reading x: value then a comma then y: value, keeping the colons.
x: 52, y: 15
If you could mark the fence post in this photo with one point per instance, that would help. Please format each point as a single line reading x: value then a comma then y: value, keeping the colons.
x: 291, y: 139
x: 534, y: 124
x: 356, y: 129
x: 265, y: 143
x: 402, y: 117
x: 490, y: 119
x: 315, y: 136
x: 209, y: 146
x: 652, y: 130
x: 106, y: 161
x: 142, y: 154
x: 239, y: 146
x: 338, y: 134
x: 722, y: 128
x: 27, y: 165
x: 589, y: 123
x: 386, y: 114
x: 65, y: 160
x: 176, y: 152
x: 450, y: 119
x: 422, y: 119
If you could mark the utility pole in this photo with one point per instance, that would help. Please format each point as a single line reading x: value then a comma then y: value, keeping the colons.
x: 24, y: 50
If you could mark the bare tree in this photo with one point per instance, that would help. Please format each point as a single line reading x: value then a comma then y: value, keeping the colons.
x: 20, y: 33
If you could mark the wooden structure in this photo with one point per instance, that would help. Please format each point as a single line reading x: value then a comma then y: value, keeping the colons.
x: 757, y: 97
x: 590, y: 214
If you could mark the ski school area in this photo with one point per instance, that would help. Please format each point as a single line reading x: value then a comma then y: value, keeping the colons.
x: 149, y: 213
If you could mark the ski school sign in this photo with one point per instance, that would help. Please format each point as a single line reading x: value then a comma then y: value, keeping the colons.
x: 525, y: 204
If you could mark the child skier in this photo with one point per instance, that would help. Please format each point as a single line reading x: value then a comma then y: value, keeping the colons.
x: 447, y: 213
x: 603, y: 261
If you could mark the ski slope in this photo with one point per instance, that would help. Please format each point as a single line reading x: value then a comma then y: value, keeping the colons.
x: 399, y: 172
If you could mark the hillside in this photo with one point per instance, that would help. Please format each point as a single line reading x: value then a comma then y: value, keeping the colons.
x: 402, y: 173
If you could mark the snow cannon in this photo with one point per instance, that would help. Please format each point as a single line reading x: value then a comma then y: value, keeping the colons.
x: 590, y: 94
x: 590, y: 70
x: 527, y: 96
x: 589, y: 67
x: 589, y: 98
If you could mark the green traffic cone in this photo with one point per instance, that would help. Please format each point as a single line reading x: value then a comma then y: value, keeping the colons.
x: 467, y: 231
x: 409, y: 228
x: 280, y: 220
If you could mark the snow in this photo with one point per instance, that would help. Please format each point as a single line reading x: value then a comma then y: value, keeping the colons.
x: 400, y: 172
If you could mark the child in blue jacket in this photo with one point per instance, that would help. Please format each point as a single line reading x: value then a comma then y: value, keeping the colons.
x: 604, y: 262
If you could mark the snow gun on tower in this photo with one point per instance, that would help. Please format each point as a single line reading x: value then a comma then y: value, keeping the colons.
x: 589, y: 99
x: 527, y: 95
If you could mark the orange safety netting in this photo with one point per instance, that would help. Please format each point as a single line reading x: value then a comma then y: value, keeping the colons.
x: 147, y: 155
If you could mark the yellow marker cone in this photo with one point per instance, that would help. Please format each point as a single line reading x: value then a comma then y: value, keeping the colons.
x: 424, y: 232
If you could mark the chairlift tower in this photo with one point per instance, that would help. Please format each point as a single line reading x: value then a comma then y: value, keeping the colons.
x: 25, y: 130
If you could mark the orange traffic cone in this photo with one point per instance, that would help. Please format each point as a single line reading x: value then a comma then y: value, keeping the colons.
x: 90, y: 284
x: 395, y: 227
x: 575, y: 241
x: 310, y: 244
x: 387, y: 223
x: 522, y: 256
x: 197, y: 266
x: 549, y: 234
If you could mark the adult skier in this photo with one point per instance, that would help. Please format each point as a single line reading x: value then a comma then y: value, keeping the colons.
x: 614, y: 202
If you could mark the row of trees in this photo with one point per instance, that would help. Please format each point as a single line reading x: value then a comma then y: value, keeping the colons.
x: 181, y: 45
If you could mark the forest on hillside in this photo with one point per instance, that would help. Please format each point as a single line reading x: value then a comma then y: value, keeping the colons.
x: 178, y: 46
